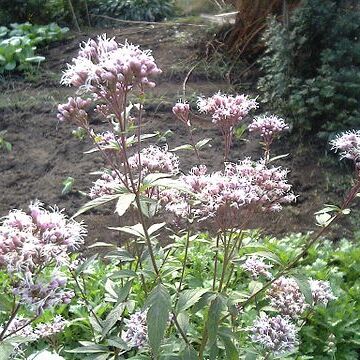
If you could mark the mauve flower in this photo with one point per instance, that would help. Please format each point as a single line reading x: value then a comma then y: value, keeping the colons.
x: 276, y: 334
x: 41, y: 238
x: 135, y: 334
x: 74, y: 111
x: 20, y: 326
x: 44, y: 330
x: 182, y: 111
x: 104, y: 64
x: 321, y: 292
x: 285, y: 296
x: 154, y: 159
x: 227, y: 111
x: 268, y: 127
x: 256, y: 267
x: 223, y: 195
x: 348, y: 144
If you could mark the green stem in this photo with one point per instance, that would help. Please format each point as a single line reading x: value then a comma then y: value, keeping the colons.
x: 185, y: 259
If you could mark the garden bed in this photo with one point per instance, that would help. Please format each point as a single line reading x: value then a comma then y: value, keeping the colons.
x: 45, y: 153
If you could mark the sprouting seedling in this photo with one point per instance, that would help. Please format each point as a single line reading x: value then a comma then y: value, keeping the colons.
x: 68, y: 185
x: 4, y: 145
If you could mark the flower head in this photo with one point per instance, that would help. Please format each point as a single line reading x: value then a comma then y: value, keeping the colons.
x: 224, y: 195
x: 275, y: 334
x: 154, y: 159
x: 286, y: 297
x: 256, y: 267
x: 44, y: 330
x: 74, y: 110
x: 182, y: 111
x: 227, y: 110
x: 348, y: 144
x: 321, y: 292
x: 104, y: 63
x: 135, y: 334
x: 268, y: 127
x: 40, y: 238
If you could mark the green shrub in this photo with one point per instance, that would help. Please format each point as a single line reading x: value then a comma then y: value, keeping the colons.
x: 312, y: 68
x: 139, y: 10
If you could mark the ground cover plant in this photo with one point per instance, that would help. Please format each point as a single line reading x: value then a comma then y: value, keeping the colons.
x: 18, y: 44
x: 171, y: 291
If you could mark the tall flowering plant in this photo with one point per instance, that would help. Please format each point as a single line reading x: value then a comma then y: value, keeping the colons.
x: 249, y: 303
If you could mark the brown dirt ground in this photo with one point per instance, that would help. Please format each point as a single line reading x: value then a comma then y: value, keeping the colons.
x: 44, y: 152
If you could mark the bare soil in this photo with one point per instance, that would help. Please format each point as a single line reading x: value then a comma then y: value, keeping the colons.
x: 45, y: 153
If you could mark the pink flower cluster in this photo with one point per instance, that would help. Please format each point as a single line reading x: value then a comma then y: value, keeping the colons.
x: 107, y: 184
x: 276, y: 334
x: 154, y: 159
x: 348, y: 144
x: 40, y: 295
x: 227, y: 110
x: 321, y: 292
x: 268, y: 127
x: 223, y: 195
x: 136, y: 335
x: 286, y: 297
x: 182, y: 111
x: 21, y: 326
x: 256, y: 267
x: 43, y: 237
x: 74, y: 111
x: 104, y: 63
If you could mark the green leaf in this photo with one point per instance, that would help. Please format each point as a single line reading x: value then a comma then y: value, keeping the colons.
x: 304, y: 286
x: 182, y: 147
x: 113, y: 316
x: 188, y: 298
x: 35, y: 59
x: 10, y: 65
x: 5, y: 350
x: 136, y: 230
x: 125, y: 273
x: 226, y: 336
x: 95, y: 203
x: 213, y: 319
x: 188, y: 353
x: 202, y: 143
x: 159, y: 303
x: 89, y: 349
x: 155, y: 227
x: 124, y: 202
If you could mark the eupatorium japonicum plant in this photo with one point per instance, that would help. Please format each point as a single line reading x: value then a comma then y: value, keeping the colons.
x: 250, y: 302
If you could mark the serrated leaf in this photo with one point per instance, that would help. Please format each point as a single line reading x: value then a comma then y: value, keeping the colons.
x: 113, y: 316
x: 124, y: 202
x: 212, y: 324
x: 189, y: 298
x: 159, y: 303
